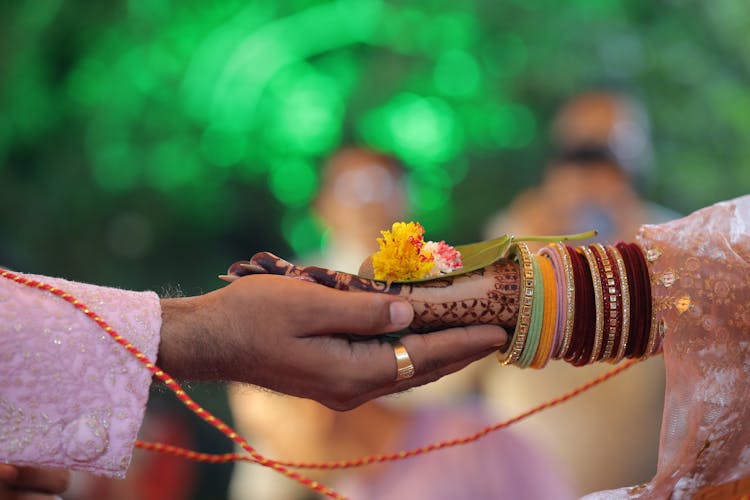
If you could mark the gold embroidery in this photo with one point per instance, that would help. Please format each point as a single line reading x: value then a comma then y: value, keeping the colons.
x: 683, y: 303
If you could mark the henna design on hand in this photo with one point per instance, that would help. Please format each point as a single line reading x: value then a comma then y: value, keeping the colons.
x: 485, y: 296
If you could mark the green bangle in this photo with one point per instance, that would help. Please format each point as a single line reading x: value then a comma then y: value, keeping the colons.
x: 537, y: 312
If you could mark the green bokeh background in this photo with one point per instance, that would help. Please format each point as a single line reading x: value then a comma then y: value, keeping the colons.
x: 152, y: 142
x: 149, y: 144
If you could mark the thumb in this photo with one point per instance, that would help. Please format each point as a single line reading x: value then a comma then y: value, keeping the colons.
x: 361, y: 313
x: 8, y: 473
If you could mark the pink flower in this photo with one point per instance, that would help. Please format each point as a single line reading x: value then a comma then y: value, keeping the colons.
x: 447, y: 259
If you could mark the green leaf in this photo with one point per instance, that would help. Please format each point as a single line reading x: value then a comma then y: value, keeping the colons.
x: 484, y: 253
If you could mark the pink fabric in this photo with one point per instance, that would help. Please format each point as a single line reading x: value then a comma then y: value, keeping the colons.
x: 699, y: 269
x: 70, y: 396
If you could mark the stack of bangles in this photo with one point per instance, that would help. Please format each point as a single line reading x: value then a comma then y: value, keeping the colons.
x: 585, y: 304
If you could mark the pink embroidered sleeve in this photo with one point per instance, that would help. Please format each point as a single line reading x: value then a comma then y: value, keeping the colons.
x: 70, y: 396
x: 699, y: 269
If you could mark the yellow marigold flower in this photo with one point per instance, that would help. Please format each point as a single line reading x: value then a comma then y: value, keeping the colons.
x: 402, y: 254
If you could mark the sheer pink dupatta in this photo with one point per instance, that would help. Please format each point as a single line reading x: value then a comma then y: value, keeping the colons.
x: 700, y: 275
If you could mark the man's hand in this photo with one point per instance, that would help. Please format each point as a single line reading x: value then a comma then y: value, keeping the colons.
x: 32, y: 483
x: 291, y: 336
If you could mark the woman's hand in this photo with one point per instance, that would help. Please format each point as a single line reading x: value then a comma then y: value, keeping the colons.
x: 292, y: 336
x: 485, y: 296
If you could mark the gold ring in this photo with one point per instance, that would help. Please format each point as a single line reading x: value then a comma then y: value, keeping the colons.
x: 404, y: 366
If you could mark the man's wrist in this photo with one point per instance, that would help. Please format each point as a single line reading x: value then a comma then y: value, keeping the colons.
x: 182, y: 353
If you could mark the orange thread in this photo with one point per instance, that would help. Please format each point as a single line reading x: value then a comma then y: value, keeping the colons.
x: 282, y: 466
x: 372, y: 459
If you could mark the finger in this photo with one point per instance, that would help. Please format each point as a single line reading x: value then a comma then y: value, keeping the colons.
x: 438, y: 373
x: 424, y: 378
x: 343, y: 281
x: 327, y: 277
x: 8, y: 473
x: 245, y: 267
x: 42, y: 480
x: 273, y: 264
x: 336, y: 311
x: 438, y: 349
x: 14, y: 494
x: 346, y: 281
x: 433, y: 354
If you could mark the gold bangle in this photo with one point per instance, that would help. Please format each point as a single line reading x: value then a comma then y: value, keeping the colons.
x: 598, y: 302
x: 570, y: 290
x: 611, y: 304
x: 520, y: 251
x: 652, y: 334
x: 625, y: 292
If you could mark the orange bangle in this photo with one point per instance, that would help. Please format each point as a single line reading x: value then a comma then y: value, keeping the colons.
x: 548, y: 319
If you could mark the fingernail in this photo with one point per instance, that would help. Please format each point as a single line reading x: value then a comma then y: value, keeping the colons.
x: 401, y: 313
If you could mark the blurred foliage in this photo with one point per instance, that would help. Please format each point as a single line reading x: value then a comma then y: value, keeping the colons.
x: 152, y: 142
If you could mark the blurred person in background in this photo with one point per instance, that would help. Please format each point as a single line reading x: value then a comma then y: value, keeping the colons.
x: 601, y: 150
x: 362, y: 193
x: 609, y: 436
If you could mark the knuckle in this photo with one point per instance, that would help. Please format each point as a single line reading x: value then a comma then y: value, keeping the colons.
x: 430, y: 365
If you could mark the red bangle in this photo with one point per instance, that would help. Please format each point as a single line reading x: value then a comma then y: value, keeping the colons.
x: 624, y: 293
x: 635, y: 313
x: 636, y: 301
x: 588, y: 310
x: 648, y: 332
x: 612, y: 301
x: 579, y: 320
x: 604, y: 303
x: 596, y: 281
